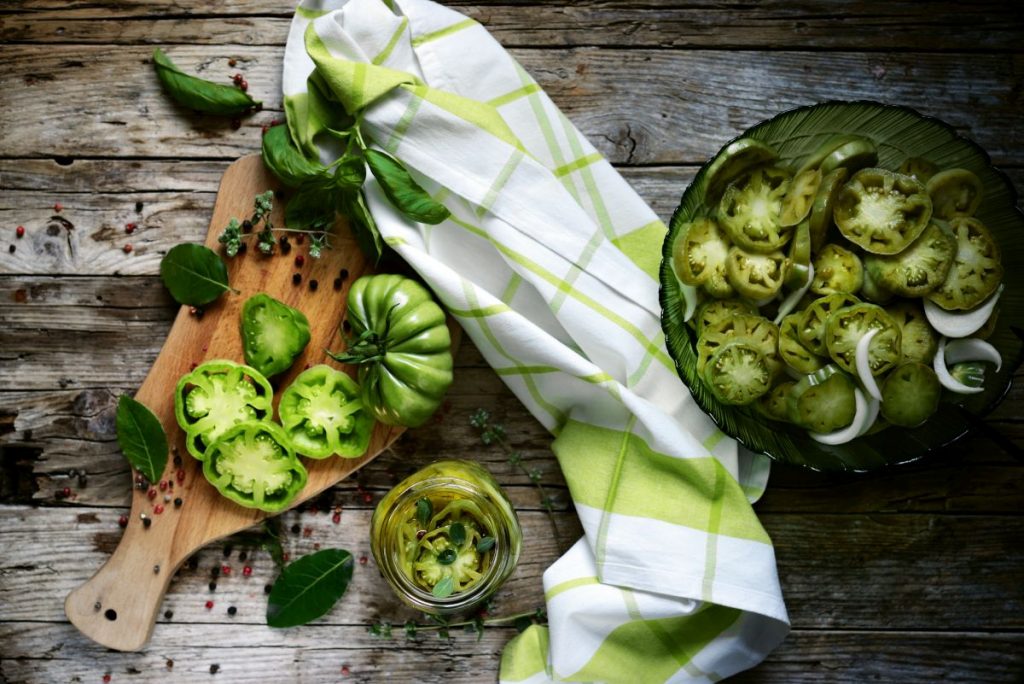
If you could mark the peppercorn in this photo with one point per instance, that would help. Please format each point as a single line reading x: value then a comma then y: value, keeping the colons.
x: 12, y: 249
x: 151, y: 493
x: 299, y: 261
x: 336, y: 518
x: 123, y: 521
x: 168, y: 614
x: 178, y: 502
x: 215, y: 571
x: 242, y: 247
x: 213, y: 586
x: 296, y: 277
x: 343, y: 274
x: 247, y: 571
x: 267, y: 588
x: 227, y: 550
x: 313, y: 284
x: 209, y: 605
x: 225, y: 570
x: 146, y: 522
x: 58, y: 207
x: 362, y: 560
x: 127, y: 248
x: 232, y: 62
x: 138, y: 207
x: 20, y: 231
x: 158, y: 509
x: 232, y: 610
x: 246, y: 226
x: 130, y: 228
x: 296, y: 528
x: 214, y: 669
x: 242, y: 556
x: 286, y: 248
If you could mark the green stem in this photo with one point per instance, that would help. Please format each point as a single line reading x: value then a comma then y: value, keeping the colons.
x: 487, y: 622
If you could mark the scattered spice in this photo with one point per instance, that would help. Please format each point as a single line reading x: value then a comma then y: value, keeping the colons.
x: 58, y: 207
x: 247, y: 571
x: 163, y: 485
x: 209, y: 605
x: 156, y: 569
x: 151, y: 493
x: 180, y: 475
x: 344, y: 670
x: 138, y: 207
x: 336, y: 518
x: 12, y: 249
x: 307, y: 532
x: 130, y: 228
x: 267, y: 588
x: 20, y: 231
x: 299, y: 261
x: 343, y: 274
x: 215, y: 572
x: 106, y: 678
x: 170, y: 664
x: 178, y: 502
x: 232, y: 62
x: 168, y: 614
x: 367, y: 497
x: 127, y: 248
x: 146, y: 521
x: 296, y: 528
x: 123, y: 521
x: 225, y: 570
x: 213, y: 586
x: 227, y: 550
x: 313, y: 285
x: 236, y: 124
x: 362, y: 560
x: 215, y: 668
x: 232, y: 610
x: 167, y: 498
x: 242, y: 556
x: 296, y: 277
x: 337, y: 283
x: 158, y: 509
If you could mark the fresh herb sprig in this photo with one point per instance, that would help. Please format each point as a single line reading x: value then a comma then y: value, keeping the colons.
x: 492, y: 433
x: 236, y: 232
x: 141, y: 437
x: 443, y: 626
x: 199, y: 94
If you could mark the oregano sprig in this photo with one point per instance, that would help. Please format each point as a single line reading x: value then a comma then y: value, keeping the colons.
x: 443, y: 626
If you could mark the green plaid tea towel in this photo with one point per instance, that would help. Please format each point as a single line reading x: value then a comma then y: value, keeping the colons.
x: 549, y: 261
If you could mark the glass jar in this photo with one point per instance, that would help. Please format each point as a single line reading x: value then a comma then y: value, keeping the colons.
x: 432, y: 564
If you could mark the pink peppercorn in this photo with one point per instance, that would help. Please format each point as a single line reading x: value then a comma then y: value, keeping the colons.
x: 247, y: 571
x: 209, y: 605
x: 20, y: 231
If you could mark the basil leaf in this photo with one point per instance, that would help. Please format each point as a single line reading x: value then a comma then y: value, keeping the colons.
x: 444, y: 588
x: 141, y: 438
x: 197, y: 93
x: 447, y: 557
x: 309, y: 588
x: 194, y: 274
x: 424, y: 511
x: 364, y: 228
x: 457, y: 533
x: 311, y: 207
x: 402, y: 190
x: 284, y: 159
x: 485, y: 544
x: 350, y: 172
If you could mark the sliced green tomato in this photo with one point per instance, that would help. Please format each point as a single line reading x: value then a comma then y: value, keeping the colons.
x: 815, y: 159
x: 918, y: 340
x: 820, y: 219
x: 253, y: 465
x: 750, y: 210
x: 919, y: 168
x: 837, y: 270
x: 215, y: 397
x: 273, y: 334
x: 853, y: 156
x: 822, y: 403
x: 737, y: 373
x: 796, y: 205
x: 716, y: 310
x: 774, y: 404
x: 753, y: 275
x: 918, y: 269
x: 736, y: 160
x: 976, y: 270
x: 955, y: 193
x: 910, y: 394
x: 846, y: 326
x: 754, y: 330
x: 700, y: 252
x: 873, y: 291
x: 323, y: 414
x: 791, y: 349
x: 882, y: 211
x: 812, y: 322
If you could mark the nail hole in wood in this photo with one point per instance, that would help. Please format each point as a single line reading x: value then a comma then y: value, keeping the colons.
x: 111, y: 614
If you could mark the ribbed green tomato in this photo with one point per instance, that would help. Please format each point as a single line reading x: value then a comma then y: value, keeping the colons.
x: 324, y: 416
x: 882, y: 211
x: 402, y: 345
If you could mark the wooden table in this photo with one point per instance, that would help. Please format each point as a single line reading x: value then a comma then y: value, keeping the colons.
x: 916, y: 573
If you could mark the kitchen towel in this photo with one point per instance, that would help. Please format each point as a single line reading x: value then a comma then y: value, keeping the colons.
x: 549, y: 262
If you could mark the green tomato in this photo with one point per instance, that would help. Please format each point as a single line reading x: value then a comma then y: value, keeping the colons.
x: 715, y: 310
x: 918, y: 340
x: 402, y: 346
x: 273, y: 334
x: 756, y: 276
x: 323, y: 414
x: 881, y: 211
x: 820, y: 219
x: 955, y: 193
x: 976, y: 271
x: 837, y: 270
x: 846, y: 326
x: 756, y: 331
x: 750, y: 210
x: 791, y: 349
x: 774, y: 403
x: 910, y: 394
x: 919, y: 168
x: 735, y: 161
x: 811, y: 328
x: 215, y: 397
x: 822, y: 402
x: 796, y: 205
x: 253, y: 465
x: 737, y: 374
x: 699, y: 254
x: 852, y: 156
x: 918, y: 269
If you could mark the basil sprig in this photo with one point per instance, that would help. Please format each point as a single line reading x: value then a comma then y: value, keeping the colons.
x: 323, y: 190
x: 141, y: 437
x: 200, y: 94
x: 194, y: 274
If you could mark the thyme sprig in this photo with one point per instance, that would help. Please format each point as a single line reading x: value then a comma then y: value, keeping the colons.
x: 236, y: 232
x: 444, y: 626
x: 492, y: 433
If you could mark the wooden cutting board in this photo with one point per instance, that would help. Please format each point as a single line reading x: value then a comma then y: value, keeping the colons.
x: 118, y: 606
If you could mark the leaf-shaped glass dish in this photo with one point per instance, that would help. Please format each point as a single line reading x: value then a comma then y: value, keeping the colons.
x: 898, y: 132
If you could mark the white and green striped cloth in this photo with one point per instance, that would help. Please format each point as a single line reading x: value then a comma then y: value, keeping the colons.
x: 549, y: 262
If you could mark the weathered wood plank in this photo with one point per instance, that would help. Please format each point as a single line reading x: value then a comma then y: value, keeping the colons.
x: 55, y: 652
x: 979, y: 94
x: 845, y: 25
x: 904, y: 571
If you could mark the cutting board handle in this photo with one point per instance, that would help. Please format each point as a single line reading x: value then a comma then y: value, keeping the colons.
x: 117, y: 607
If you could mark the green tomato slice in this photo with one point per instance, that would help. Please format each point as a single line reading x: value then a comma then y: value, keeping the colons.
x: 253, y: 465
x: 796, y: 205
x: 846, y: 326
x: 918, y: 269
x: 323, y: 414
x: 716, y: 310
x: 753, y: 275
x: 853, y: 156
x: 737, y: 374
x: 823, y: 402
x: 976, y: 271
x: 774, y: 403
x: 811, y: 330
x: 700, y: 253
x: 736, y: 160
x: 799, y: 257
x: 873, y: 291
x: 791, y: 349
x: 882, y: 211
x: 837, y: 270
x: 955, y: 193
x: 816, y: 158
x: 918, y: 340
x: 215, y: 397
x: 910, y: 394
x: 820, y: 219
x: 273, y: 334
x: 754, y: 330
x: 750, y: 210
x: 919, y: 168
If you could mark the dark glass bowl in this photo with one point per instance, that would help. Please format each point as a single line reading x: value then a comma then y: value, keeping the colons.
x: 898, y: 132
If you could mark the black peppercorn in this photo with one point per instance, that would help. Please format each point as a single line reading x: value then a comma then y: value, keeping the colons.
x: 214, y: 669
x: 232, y: 610
x: 313, y: 285
x: 168, y: 614
x: 246, y: 226
x: 213, y: 586
x: 296, y: 278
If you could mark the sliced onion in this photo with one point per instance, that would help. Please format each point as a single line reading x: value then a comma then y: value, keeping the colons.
x: 862, y: 420
x: 947, y: 380
x: 794, y: 297
x: 690, y: 299
x: 960, y: 323
x: 863, y: 369
x: 972, y: 349
x: 873, y: 406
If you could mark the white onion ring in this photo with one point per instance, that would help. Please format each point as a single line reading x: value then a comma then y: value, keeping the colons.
x: 794, y: 297
x: 862, y: 420
x: 960, y: 323
x: 690, y: 299
x: 947, y: 380
x: 972, y: 349
x: 863, y: 369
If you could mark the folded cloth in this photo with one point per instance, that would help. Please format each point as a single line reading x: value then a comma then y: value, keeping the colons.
x: 549, y: 262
